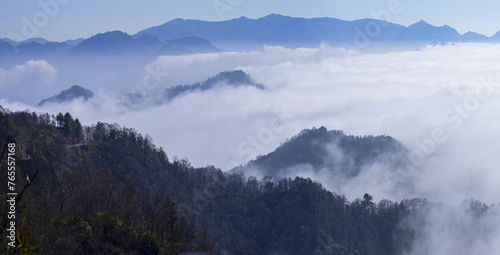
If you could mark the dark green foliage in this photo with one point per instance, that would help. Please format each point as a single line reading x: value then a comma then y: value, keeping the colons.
x: 98, y: 190
x: 298, y: 216
x: 106, y: 189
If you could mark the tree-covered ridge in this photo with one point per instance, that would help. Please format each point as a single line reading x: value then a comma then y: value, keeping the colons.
x: 340, y: 154
x: 86, y: 202
x: 105, y: 189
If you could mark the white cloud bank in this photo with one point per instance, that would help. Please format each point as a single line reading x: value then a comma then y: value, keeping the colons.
x: 25, y: 81
x: 407, y: 95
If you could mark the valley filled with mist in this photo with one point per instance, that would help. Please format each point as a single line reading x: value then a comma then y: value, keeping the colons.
x: 276, y: 135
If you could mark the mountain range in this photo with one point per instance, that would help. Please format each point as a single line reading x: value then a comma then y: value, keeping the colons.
x: 114, y: 43
x: 294, y: 32
x: 183, y: 36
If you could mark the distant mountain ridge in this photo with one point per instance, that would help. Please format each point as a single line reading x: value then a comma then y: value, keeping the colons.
x: 185, y: 36
x: 117, y: 42
x: 68, y: 95
x: 112, y: 43
x: 295, y: 32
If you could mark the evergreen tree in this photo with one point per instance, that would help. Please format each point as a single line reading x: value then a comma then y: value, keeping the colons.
x: 78, y: 134
x: 68, y: 125
x: 60, y: 120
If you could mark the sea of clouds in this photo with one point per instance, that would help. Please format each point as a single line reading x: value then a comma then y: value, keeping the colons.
x: 442, y: 102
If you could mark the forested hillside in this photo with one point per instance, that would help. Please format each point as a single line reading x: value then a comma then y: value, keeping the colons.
x: 89, y: 197
x: 107, y: 189
x: 340, y: 154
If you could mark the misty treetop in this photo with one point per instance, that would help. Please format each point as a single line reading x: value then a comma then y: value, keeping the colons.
x: 340, y: 154
x: 232, y: 78
x: 68, y: 95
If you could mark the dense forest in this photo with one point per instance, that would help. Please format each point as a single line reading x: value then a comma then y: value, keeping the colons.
x: 106, y: 189
x: 343, y: 155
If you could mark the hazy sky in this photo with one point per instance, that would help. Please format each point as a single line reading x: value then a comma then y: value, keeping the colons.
x: 69, y: 19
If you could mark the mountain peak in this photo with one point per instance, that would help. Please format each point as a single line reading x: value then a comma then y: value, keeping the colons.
x: 111, y: 35
x: 274, y: 16
x: 341, y: 154
x: 69, y: 95
x: 234, y: 78
x: 421, y: 23
x: 105, y: 43
x: 242, y: 18
x: 175, y: 21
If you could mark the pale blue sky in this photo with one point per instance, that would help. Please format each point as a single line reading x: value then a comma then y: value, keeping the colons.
x: 77, y: 18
